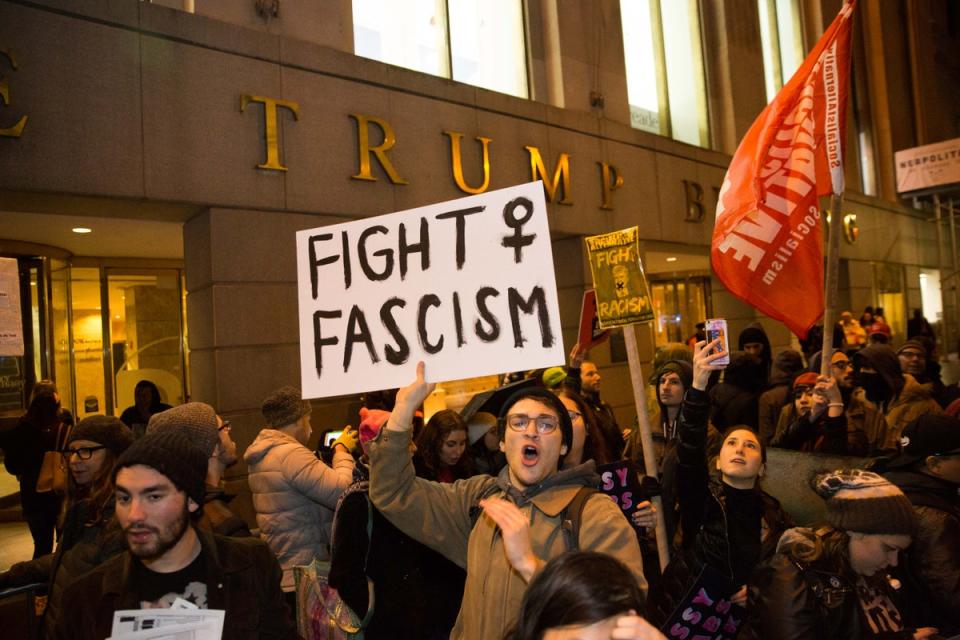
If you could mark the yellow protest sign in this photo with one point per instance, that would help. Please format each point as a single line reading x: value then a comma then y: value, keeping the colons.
x: 622, y: 293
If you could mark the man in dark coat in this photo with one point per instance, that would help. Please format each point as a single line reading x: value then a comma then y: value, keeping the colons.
x: 160, y: 487
x: 928, y: 472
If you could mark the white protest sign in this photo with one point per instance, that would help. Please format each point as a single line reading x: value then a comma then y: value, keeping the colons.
x: 466, y: 286
x: 11, y: 322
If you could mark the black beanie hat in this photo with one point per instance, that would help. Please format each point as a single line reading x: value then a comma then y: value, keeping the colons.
x: 172, y: 454
x: 105, y: 430
x: 546, y: 397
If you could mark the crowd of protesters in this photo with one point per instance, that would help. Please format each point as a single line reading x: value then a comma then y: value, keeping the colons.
x: 488, y: 523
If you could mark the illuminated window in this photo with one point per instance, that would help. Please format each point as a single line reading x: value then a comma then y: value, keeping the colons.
x: 477, y: 42
x: 781, y: 38
x: 663, y: 53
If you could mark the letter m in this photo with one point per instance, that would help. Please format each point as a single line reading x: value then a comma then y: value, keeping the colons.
x: 561, y: 175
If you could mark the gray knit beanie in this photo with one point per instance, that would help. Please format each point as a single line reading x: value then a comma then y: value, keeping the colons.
x: 196, y: 420
x: 284, y: 407
x: 865, y: 502
x: 105, y: 430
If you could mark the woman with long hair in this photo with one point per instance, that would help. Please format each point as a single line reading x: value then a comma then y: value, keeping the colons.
x: 441, y: 455
x: 588, y: 443
x: 583, y: 595
x: 728, y: 523
x: 90, y: 534
x: 830, y: 582
x: 40, y: 430
x: 442, y: 448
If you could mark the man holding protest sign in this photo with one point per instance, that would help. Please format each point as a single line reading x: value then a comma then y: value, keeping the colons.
x: 504, y: 529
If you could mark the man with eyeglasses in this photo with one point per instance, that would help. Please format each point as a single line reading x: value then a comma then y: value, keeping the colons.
x: 928, y: 472
x: 502, y: 530
x: 895, y: 394
x: 211, y: 434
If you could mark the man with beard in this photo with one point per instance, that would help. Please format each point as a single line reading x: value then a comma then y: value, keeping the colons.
x: 159, y: 487
x: 896, y: 395
x: 201, y: 424
x: 584, y: 377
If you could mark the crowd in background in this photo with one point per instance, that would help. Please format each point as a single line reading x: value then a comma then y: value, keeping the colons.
x: 487, y: 522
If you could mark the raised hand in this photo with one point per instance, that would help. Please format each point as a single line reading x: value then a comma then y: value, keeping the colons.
x: 515, y: 530
x: 576, y: 356
x: 350, y: 438
x: 704, y: 354
x: 409, y: 399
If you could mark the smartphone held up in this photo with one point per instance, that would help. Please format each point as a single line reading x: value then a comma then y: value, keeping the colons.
x: 717, y: 328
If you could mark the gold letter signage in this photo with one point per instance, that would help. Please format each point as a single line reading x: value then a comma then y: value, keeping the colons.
x: 457, y: 162
x: 610, y: 179
x: 562, y: 173
x: 270, y: 126
x: 17, y: 129
x: 363, y: 141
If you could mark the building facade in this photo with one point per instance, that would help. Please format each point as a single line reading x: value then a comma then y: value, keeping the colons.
x: 195, y: 138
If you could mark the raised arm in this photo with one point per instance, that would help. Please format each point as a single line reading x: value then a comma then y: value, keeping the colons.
x: 438, y: 515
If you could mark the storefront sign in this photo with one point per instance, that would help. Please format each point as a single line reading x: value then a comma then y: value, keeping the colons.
x: 466, y: 286
x: 929, y: 166
x: 622, y: 293
x: 11, y: 321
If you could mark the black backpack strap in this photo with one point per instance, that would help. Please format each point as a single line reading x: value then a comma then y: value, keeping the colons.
x: 572, y: 516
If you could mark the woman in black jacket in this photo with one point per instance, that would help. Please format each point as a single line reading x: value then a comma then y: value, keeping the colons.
x: 730, y: 524
x: 90, y: 533
x: 41, y: 429
x: 831, y: 582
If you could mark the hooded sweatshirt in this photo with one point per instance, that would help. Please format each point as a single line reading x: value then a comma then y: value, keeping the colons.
x: 908, y: 401
x: 754, y: 332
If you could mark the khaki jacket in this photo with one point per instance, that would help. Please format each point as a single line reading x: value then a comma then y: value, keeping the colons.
x: 915, y: 400
x: 441, y: 516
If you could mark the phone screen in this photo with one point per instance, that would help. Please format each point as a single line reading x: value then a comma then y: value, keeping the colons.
x: 330, y: 437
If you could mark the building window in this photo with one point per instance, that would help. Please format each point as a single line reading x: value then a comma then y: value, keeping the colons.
x: 663, y: 52
x: 781, y: 38
x: 477, y: 42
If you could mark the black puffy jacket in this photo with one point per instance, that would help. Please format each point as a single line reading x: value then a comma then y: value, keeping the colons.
x: 931, y: 568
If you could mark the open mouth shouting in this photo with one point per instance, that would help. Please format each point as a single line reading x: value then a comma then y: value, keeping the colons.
x: 530, y: 455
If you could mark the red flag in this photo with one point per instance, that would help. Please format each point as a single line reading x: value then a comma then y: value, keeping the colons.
x: 767, y: 247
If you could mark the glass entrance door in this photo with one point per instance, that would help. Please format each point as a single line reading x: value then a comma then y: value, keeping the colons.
x: 678, y: 305
x: 18, y: 374
x: 145, y: 328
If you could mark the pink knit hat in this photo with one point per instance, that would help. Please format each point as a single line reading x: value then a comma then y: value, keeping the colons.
x: 371, y: 421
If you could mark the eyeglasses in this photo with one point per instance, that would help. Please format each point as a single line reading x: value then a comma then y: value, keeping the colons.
x: 84, y: 453
x: 574, y: 415
x: 545, y: 424
x: 841, y: 364
x: 225, y: 425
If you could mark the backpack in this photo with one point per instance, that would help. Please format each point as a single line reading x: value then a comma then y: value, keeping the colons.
x: 570, y: 518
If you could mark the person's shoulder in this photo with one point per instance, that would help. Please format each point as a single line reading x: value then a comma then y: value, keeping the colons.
x: 94, y: 581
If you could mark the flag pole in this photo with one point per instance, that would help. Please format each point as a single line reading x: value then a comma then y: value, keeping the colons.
x: 646, y: 439
x: 830, y: 287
